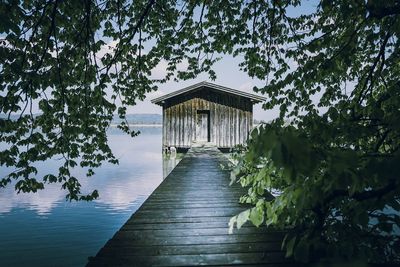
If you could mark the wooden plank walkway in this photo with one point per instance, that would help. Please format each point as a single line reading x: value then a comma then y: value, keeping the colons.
x: 185, y: 222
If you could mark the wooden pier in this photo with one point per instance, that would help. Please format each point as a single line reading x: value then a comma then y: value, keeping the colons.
x: 185, y: 222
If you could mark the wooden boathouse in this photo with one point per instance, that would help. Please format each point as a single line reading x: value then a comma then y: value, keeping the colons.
x: 207, y: 113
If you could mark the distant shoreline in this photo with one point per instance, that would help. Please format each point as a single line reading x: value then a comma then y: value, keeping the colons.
x: 138, y: 125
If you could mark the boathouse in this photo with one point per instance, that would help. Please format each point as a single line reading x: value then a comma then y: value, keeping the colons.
x: 207, y: 112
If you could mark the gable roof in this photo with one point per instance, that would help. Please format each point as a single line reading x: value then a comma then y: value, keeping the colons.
x: 253, y: 97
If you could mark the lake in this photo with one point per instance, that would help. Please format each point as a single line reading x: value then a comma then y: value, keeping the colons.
x: 42, y: 229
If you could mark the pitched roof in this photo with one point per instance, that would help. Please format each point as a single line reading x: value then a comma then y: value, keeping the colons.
x: 253, y: 97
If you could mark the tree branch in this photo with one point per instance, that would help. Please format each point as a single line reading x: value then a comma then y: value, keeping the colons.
x: 381, y: 54
x: 364, y: 195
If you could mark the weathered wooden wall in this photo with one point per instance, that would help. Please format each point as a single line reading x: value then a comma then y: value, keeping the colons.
x: 231, y: 118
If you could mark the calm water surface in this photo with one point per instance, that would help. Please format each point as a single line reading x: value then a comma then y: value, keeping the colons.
x: 43, y: 229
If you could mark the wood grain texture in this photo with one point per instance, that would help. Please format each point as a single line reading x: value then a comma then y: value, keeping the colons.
x: 185, y: 223
x: 230, y: 118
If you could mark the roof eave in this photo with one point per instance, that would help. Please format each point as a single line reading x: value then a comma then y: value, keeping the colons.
x: 252, y: 97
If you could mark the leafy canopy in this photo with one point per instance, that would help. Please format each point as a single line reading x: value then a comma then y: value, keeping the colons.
x: 332, y: 69
x: 335, y: 76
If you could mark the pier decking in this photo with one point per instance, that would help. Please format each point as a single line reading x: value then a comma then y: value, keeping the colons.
x: 185, y: 222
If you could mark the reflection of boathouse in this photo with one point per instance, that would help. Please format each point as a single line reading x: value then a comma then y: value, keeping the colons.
x: 206, y: 112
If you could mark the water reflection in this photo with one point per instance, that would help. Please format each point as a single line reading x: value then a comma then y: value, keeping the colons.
x: 42, y: 202
x: 119, y: 185
x: 170, y: 161
x: 42, y: 229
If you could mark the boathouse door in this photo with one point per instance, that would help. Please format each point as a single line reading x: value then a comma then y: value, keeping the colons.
x: 203, y: 126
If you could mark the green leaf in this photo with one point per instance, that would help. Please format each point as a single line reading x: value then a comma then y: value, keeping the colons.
x: 231, y: 224
x: 242, y: 218
x: 256, y: 216
x: 290, y: 247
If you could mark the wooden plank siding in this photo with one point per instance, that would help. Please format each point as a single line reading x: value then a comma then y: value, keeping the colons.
x: 184, y: 222
x: 230, y: 118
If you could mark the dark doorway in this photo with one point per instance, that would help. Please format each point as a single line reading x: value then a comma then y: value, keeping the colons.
x: 203, y: 126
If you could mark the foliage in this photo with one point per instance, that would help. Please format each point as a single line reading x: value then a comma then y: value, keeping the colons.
x: 337, y: 201
x: 332, y: 69
x: 337, y: 165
